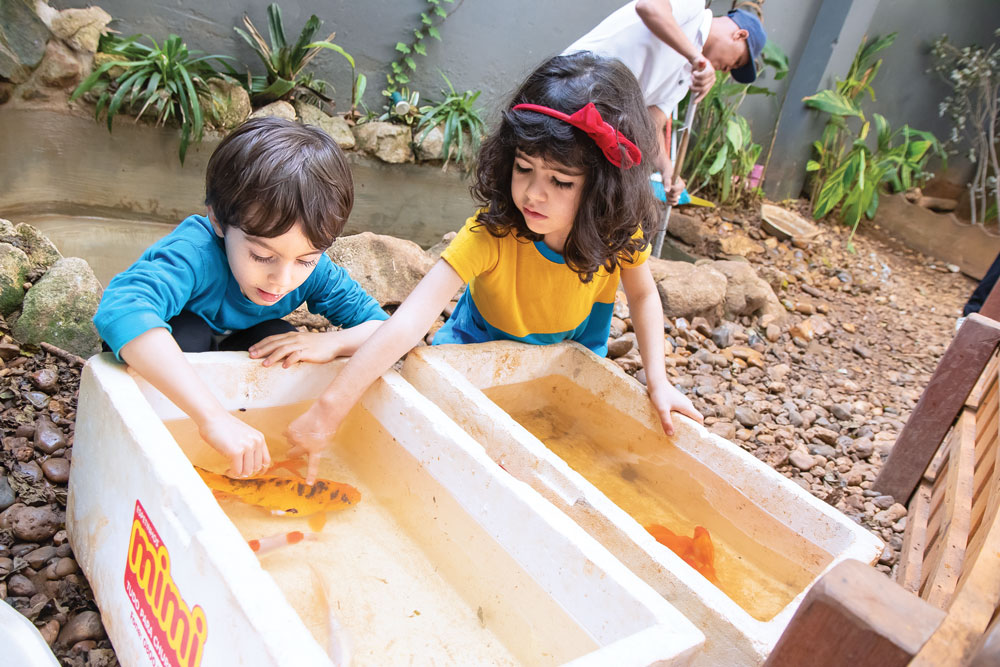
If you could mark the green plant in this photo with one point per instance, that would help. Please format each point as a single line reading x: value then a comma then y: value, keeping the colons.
x: 850, y: 173
x: 973, y: 73
x: 405, y: 64
x: 403, y: 107
x: 167, y: 81
x: 285, y: 62
x: 458, y: 117
x: 722, y: 152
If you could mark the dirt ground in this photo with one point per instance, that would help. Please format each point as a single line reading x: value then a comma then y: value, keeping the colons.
x: 821, y: 399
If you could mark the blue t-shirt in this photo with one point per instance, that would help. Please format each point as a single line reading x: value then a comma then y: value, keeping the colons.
x: 188, y: 270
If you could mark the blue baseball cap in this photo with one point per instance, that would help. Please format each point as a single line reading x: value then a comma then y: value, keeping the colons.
x: 756, y: 38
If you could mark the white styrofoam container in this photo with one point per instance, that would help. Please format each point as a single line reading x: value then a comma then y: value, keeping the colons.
x: 177, y: 584
x: 20, y: 642
x: 769, y: 531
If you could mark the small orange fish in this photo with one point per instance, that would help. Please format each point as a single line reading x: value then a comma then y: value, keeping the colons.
x: 284, y: 494
x: 272, y: 542
x: 697, y: 551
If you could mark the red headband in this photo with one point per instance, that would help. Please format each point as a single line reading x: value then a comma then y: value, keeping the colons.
x: 589, y: 120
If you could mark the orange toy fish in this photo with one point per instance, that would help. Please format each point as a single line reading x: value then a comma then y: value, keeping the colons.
x: 284, y: 494
x: 697, y: 551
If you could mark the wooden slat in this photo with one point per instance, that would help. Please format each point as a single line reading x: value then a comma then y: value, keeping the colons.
x: 957, y: 639
x: 855, y: 616
x: 991, y: 306
x: 911, y: 556
x: 943, y: 571
x: 987, y: 653
x: 990, y: 516
x: 986, y: 381
x: 955, y: 376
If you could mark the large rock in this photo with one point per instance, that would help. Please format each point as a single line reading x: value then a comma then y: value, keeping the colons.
x: 22, y: 38
x: 279, y: 109
x: 80, y: 28
x: 746, y: 293
x: 231, y: 103
x: 688, y: 290
x: 429, y: 145
x: 59, y: 309
x: 60, y: 67
x: 14, y: 266
x: 386, y: 141
x: 40, y: 251
x: 687, y: 228
x: 388, y: 268
x: 335, y: 126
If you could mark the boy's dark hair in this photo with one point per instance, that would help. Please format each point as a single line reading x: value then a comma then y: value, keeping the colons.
x: 614, y: 201
x: 270, y: 173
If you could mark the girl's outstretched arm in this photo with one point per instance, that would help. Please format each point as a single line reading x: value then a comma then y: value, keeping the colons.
x: 646, y: 311
x: 313, y: 430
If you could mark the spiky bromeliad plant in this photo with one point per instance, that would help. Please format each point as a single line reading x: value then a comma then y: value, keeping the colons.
x: 458, y: 117
x: 286, y: 61
x: 167, y: 81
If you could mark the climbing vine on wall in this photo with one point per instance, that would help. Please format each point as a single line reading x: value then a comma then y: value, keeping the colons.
x: 406, y: 64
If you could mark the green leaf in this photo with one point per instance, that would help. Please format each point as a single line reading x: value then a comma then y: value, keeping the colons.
x: 420, y: 48
x: 833, y: 103
x: 426, y: 20
x: 720, y: 160
x: 410, y: 63
x: 433, y: 32
x: 418, y: 34
x: 812, y: 165
x: 402, y: 78
x: 275, y: 27
x: 333, y: 47
x: 734, y: 134
x: 402, y: 48
x: 441, y: 12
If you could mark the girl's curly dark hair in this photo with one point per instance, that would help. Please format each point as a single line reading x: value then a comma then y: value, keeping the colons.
x: 614, y: 201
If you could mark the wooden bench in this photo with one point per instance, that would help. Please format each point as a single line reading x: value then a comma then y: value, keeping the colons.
x: 943, y: 608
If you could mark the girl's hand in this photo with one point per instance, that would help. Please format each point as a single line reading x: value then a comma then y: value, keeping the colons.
x: 667, y: 399
x: 241, y: 443
x: 310, y: 434
x: 297, y: 346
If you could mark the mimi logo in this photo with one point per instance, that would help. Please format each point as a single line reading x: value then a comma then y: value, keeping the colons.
x: 175, y: 634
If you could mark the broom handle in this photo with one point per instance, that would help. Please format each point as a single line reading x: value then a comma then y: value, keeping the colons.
x: 678, y: 162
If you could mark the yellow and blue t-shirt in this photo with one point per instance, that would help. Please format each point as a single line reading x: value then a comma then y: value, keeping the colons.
x: 523, y: 290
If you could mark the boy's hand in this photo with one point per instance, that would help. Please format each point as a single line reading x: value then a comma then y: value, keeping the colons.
x: 297, y: 346
x: 242, y: 444
x: 311, y: 434
x: 667, y: 399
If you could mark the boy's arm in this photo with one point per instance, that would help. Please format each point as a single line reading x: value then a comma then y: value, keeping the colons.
x: 411, y: 321
x: 646, y: 311
x: 658, y: 16
x: 155, y: 355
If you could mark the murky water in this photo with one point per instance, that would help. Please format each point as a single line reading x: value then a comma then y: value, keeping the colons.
x: 655, y: 482
x: 109, y: 245
x: 411, y: 578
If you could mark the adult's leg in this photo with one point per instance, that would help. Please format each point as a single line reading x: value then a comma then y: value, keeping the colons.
x: 192, y: 333
x: 241, y: 341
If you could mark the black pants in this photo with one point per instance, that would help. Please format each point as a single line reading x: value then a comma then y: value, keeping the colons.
x: 982, y: 291
x: 194, y: 335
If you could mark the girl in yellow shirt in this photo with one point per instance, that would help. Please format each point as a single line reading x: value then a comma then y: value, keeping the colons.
x: 565, y: 209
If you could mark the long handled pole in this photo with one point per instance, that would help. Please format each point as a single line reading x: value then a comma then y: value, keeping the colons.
x: 678, y: 163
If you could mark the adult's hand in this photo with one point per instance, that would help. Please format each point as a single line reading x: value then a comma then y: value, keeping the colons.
x: 702, y: 77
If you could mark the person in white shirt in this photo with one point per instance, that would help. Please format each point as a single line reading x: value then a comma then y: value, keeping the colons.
x: 672, y: 46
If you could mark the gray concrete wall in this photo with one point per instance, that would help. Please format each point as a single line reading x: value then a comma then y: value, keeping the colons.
x: 490, y: 46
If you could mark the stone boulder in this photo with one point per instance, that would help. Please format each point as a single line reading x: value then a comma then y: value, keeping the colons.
x: 14, y: 267
x: 688, y: 290
x: 388, y: 268
x: 386, y: 141
x: 687, y: 228
x: 81, y: 29
x: 60, y: 307
x: 746, y: 293
x: 429, y: 147
x: 40, y: 251
x: 231, y: 103
x: 279, y: 109
x: 60, y: 67
x: 23, y: 35
x: 335, y: 126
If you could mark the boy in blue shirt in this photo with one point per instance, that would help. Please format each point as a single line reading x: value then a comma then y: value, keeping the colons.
x: 278, y: 194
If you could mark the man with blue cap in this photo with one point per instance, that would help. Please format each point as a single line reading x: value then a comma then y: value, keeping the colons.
x: 672, y: 46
